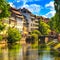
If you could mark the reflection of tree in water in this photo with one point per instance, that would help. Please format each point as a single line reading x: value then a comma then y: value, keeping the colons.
x: 41, y: 48
x: 13, y: 50
x: 54, y: 53
x: 4, y: 54
x: 57, y: 58
x: 43, y: 53
x: 12, y: 55
x: 27, y: 55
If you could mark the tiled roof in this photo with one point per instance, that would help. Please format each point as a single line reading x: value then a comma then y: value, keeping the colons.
x: 16, y: 12
x: 19, y: 16
x: 26, y: 10
x: 11, y: 8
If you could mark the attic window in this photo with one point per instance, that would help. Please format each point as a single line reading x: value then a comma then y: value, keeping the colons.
x: 24, y: 11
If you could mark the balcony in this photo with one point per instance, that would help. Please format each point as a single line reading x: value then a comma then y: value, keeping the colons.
x: 12, y: 18
x: 36, y: 20
x: 20, y: 16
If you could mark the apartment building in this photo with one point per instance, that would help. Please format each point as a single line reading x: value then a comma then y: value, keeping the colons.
x: 30, y: 19
x: 24, y: 20
x: 34, y: 22
x: 16, y: 19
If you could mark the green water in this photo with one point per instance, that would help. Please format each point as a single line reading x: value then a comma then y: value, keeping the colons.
x: 17, y: 52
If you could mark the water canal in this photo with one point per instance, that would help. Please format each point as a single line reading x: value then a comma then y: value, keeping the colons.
x: 27, y: 53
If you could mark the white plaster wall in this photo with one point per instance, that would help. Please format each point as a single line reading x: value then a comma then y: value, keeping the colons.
x: 19, y: 24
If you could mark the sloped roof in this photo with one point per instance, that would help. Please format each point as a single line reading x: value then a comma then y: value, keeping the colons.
x: 16, y: 12
x: 19, y: 16
x: 26, y: 10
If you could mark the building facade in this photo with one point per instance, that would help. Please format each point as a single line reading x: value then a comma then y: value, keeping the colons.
x: 30, y: 19
x: 24, y: 20
x: 16, y: 19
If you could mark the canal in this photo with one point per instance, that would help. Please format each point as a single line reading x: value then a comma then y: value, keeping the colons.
x: 28, y: 53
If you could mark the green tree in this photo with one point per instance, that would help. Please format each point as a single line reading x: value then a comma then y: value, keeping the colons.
x: 1, y: 37
x: 4, y: 12
x: 2, y: 26
x: 36, y: 32
x: 34, y: 35
x: 55, y: 23
x: 4, y: 9
x: 44, y: 28
x: 57, y: 5
x: 52, y: 23
x: 57, y: 15
x: 13, y: 35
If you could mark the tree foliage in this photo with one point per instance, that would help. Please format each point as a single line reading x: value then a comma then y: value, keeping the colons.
x: 52, y: 23
x: 44, y: 28
x: 34, y: 38
x: 57, y: 5
x: 55, y: 21
x: 36, y: 32
x: 4, y: 9
x: 2, y: 26
x: 57, y: 15
x: 1, y: 37
x: 13, y: 35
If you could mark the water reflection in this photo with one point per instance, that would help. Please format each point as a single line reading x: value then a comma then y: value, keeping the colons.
x: 45, y: 53
x: 27, y: 53
x: 3, y: 54
x: 14, y: 53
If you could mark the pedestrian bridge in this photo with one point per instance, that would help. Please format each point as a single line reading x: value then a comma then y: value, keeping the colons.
x: 41, y: 39
x: 51, y: 42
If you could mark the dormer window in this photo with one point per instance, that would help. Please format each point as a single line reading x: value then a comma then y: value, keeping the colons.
x: 24, y: 11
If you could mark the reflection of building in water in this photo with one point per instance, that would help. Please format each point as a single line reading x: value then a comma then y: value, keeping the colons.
x: 4, y: 54
x: 30, y: 54
x: 11, y: 54
x: 19, y: 55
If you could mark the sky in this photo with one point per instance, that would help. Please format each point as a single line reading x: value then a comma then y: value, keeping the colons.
x: 38, y: 7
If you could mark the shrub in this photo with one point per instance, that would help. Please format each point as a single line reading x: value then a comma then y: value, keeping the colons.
x: 28, y: 39
x: 34, y: 37
x: 2, y: 26
x: 36, y: 32
x: 13, y: 35
x: 1, y: 38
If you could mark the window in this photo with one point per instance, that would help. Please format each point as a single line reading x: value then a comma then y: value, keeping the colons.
x: 24, y: 11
